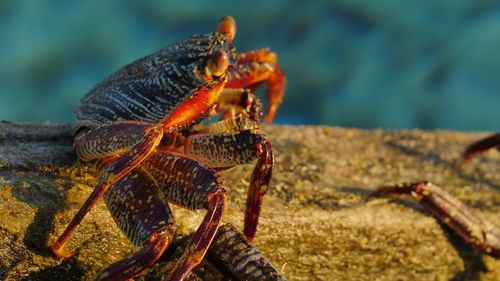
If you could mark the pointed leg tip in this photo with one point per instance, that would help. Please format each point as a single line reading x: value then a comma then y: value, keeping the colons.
x: 62, y: 253
x: 465, y: 159
x: 249, y: 232
x: 270, y: 115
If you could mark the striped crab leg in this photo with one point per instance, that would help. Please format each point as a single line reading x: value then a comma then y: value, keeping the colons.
x: 234, y: 149
x: 109, y: 175
x: 481, y: 146
x: 477, y: 232
x: 139, y: 211
x: 138, y: 205
x: 186, y: 182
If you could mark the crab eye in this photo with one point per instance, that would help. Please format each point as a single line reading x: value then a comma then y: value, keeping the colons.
x: 217, y: 64
x: 227, y: 25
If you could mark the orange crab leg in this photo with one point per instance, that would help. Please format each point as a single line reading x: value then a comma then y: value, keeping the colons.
x: 256, y: 67
x: 262, y: 55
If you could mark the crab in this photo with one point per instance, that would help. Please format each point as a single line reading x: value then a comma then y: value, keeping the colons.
x: 461, y: 219
x: 143, y: 128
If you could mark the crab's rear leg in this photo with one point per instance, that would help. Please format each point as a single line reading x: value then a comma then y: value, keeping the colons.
x: 111, y: 172
x: 137, y: 208
x: 255, y: 67
x: 233, y: 149
x: 449, y: 210
x: 481, y: 146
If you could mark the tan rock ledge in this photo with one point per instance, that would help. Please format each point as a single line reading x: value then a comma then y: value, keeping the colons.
x: 315, y: 224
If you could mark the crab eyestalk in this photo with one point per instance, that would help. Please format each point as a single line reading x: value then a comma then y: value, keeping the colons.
x: 217, y: 64
x: 227, y: 25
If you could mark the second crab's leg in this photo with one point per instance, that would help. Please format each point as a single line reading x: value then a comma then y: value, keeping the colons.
x: 234, y: 149
x: 449, y: 210
x: 255, y: 67
x: 481, y: 146
x: 110, y: 174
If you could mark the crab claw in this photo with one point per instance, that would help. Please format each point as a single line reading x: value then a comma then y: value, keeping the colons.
x: 256, y: 67
x: 275, y: 89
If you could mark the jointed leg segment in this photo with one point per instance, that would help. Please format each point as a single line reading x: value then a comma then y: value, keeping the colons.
x: 186, y: 182
x: 259, y: 183
x: 481, y: 146
x: 112, y: 173
x: 449, y: 210
x: 233, y: 149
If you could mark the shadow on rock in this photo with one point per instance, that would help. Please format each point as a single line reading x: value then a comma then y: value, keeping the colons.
x: 68, y: 270
x: 41, y: 191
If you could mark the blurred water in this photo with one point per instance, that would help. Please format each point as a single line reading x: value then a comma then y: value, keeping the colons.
x: 383, y: 63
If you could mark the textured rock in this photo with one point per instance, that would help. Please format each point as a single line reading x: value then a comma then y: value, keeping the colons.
x: 315, y: 224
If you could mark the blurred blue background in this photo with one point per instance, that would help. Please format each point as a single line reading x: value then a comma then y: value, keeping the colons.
x: 378, y: 63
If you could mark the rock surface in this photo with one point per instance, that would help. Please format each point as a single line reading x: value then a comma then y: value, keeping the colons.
x: 316, y: 223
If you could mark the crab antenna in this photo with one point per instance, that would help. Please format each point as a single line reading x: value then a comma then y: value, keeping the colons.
x: 227, y: 25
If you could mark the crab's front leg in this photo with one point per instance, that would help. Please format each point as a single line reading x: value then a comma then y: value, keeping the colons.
x: 481, y: 146
x: 236, y: 148
x: 106, y: 142
x: 256, y: 67
x: 449, y: 210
